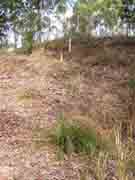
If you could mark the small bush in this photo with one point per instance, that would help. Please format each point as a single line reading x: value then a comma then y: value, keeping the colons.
x: 55, y: 44
x: 71, y: 137
x: 20, y: 51
x: 131, y: 83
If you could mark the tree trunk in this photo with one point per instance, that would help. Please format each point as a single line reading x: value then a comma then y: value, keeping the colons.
x: 78, y: 24
x: 39, y: 27
x: 70, y: 45
x: 15, y: 37
x: 61, y: 56
x: 127, y: 29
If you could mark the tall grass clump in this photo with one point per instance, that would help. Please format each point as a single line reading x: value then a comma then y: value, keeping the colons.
x: 124, y: 156
x: 71, y: 137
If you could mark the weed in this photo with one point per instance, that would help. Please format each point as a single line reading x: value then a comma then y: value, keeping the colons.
x: 40, y: 137
x: 131, y: 83
x: 29, y: 94
x: 71, y: 137
x: 125, y: 157
x: 26, y: 95
x: 101, y: 165
x: 96, y: 167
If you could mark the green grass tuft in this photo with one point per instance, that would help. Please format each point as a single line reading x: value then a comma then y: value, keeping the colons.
x: 71, y: 137
x: 131, y: 83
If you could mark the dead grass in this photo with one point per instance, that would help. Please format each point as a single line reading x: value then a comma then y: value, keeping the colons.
x: 29, y: 94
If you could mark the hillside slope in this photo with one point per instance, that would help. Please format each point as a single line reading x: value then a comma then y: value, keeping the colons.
x: 90, y: 84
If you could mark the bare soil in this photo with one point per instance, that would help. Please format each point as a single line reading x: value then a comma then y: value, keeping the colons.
x: 34, y: 90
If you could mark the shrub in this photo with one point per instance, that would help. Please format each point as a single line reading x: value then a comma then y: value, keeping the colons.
x: 57, y: 44
x: 131, y: 83
x: 71, y: 137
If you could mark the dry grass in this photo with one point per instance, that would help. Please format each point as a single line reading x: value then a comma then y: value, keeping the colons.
x: 28, y: 94
x: 91, y: 88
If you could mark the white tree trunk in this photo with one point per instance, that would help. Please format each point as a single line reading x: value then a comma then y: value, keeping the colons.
x: 78, y: 23
x: 70, y: 45
x: 61, y: 56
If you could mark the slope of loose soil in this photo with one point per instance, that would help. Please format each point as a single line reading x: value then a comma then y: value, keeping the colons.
x: 34, y: 90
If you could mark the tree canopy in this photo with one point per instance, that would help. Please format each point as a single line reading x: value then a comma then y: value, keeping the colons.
x: 29, y: 18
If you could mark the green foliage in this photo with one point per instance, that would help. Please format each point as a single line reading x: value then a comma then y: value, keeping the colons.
x: 107, y: 10
x: 61, y: 8
x: 71, y: 137
x: 24, y: 17
x: 28, y: 42
x: 131, y: 83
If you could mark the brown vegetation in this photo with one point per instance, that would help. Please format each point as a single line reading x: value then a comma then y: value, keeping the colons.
x: 93, y: 85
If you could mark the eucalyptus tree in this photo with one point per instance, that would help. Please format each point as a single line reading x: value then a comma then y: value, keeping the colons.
x: 128, y: 15
x: 9, y: 13
x: 16, y: 10
x: 3, y: 25
x: 62, y: 11
x: 103, y: 12
x: 32, y: 20
x: 3, y: 17
x: 37, y: 18
x: 43, y: 21
x: 25, y: 17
